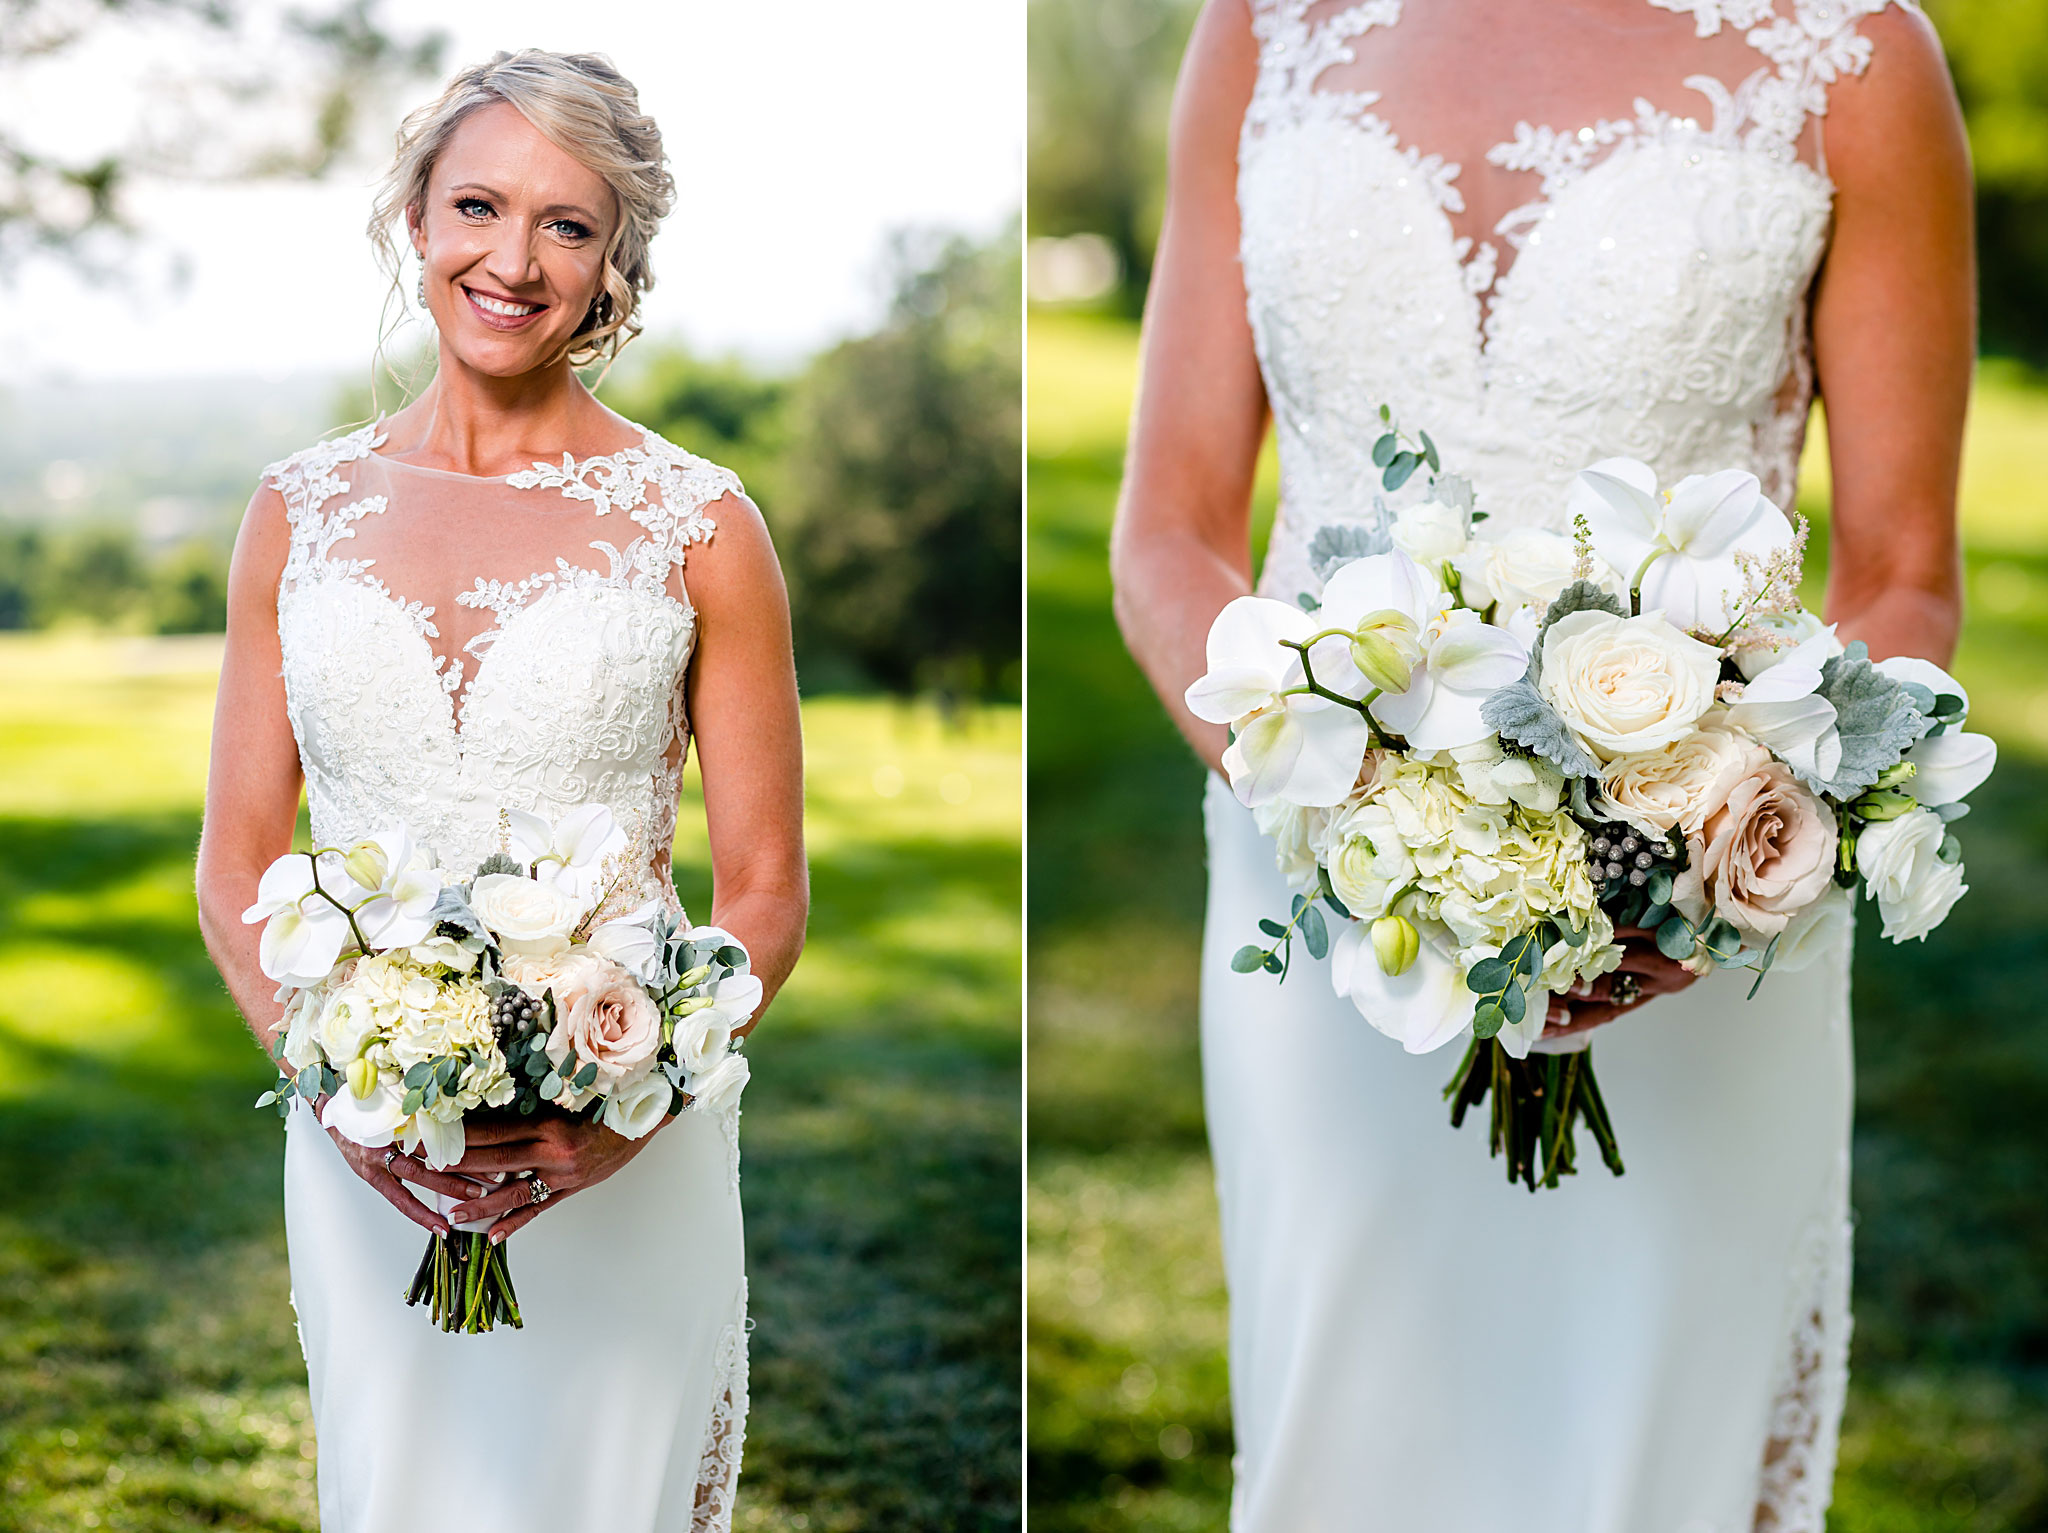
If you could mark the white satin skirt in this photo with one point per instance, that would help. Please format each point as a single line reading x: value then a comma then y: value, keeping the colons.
x: 620, y: 1406
x: 1417, y: 1346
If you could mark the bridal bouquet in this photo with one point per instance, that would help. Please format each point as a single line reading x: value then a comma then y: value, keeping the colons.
x: 416, y: 997
x: 1486, y: 753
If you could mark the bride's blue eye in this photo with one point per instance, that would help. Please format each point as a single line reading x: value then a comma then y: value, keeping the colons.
x: 472, y: 207
x: 569, y: 229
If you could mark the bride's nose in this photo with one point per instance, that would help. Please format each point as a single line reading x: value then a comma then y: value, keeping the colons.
x: 514, y: 256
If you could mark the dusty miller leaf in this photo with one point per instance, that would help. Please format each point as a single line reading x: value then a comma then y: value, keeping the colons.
x: 1453, y: 490
x: 1338, y: 543
x: 1583, y: 596
x: 1519, y: 712
x: 1874, y: 716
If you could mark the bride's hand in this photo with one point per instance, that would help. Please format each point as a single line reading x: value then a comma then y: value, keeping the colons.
x: 388, y: 1169
x: 567, y: 1154
x: 1652, y: 973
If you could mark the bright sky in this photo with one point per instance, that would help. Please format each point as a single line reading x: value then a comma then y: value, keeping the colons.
x: 801, y: 132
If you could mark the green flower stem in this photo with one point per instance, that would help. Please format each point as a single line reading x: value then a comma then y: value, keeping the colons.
x: 347, y: 912
x: 1313, y: 688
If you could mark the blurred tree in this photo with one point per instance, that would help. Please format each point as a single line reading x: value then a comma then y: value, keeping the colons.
x: 719, y: 408
x: 1101, y: 74
x: 276, y: 96
x: 188, y: 590
x: 1998, y: 53
x: 900, y: 514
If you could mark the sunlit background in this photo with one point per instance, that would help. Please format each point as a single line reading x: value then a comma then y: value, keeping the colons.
x: 186, y: 294
x: 1947, y: 1426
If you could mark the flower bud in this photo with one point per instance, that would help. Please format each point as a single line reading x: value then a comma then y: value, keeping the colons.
x: 367, y: 864
x: 1896, y: 773
x: 1386, y: 649
x: 1395, y: 943
x: 1883, y: 804
x: 362, y: 1078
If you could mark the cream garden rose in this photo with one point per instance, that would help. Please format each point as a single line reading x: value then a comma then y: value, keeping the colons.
x: 1679, y: 786
x: 1626, y: 685
x: 528, y: 917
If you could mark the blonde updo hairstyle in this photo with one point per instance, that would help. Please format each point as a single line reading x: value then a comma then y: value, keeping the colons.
x: 588, y: 110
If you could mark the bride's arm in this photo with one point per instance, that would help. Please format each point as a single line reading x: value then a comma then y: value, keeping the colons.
x: 252, y: 777
x: 749, y: 742
x: 1894, y: 329
x: 1181, y: 547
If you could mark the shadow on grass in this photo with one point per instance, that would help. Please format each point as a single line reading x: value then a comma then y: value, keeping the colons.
x: 149, y: 1375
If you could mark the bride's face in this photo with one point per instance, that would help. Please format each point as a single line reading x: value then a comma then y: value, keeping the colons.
x: 512, y: 234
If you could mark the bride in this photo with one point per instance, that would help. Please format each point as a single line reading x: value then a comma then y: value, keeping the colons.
x: 1547, y: 234
x: 479, y: 603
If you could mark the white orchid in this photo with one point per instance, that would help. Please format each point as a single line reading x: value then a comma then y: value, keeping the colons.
x: 1422, y: 1008
x: 632, y: 941
x: 569, y: 852
x: 1780, y: 708
x: 304, y: 931
x: 397, y: 885
x: 1290, y: 744
x: 371, y: 1121
x: 1678, y: 547
x: 1403, y: 620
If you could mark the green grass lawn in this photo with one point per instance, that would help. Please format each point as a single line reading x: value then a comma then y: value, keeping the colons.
x: 1948, y: 1417
x: 149, y: 1373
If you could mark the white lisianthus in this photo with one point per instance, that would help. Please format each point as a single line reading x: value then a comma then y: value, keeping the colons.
x: 1753, y: 656
x: 1289, y: 745
x: 527, y: 917
x: 1900, y: 861
x: 1626, y: 684
x: 719, y: 1087
x: 703, y: 1037
x: 1816, y: 929
x: 570, y: 852
x: 1678, y: 547
x: 1422, y: 1008
x: 1431, y: 533
x: 635, y: 1109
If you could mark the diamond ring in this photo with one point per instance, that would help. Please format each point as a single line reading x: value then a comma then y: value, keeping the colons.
x: 539, y: 1191
x: 1625, y: 989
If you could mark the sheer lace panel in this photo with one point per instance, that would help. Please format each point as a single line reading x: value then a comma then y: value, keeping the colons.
x: 455, y: 644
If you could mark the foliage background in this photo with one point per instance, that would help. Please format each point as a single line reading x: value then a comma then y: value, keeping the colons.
x: 1947, y: 1426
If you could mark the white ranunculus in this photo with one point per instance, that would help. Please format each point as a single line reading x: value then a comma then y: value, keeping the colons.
x: 719, y: 1087
x: 1297, y: 747
x: 304, y: 933
x: 570, y: 851
x: 1791, y: 629
x: 1781, y: 707
x: 346, y: 1025
x: 1816, y: 929
x: 1950, y: 766
x: 1678, y: 547
x: 372, y: 1121
x: 1627, y: 684
x: 527, y: 917
x: 631, y: 941
x: 1422, y: 1008
x: 1430, y: 533
x: 1903, y: 871
x: 1367, y: 861
x: 635, y: 1109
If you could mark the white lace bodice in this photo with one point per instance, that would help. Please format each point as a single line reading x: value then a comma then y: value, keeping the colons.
x: 1648, y: 297
x: 576, y: 692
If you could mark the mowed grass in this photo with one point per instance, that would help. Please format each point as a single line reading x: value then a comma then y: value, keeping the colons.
x: 1130, y: 1425
x: 150, y: 1376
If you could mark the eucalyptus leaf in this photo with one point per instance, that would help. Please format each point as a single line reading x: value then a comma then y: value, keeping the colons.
x: 1675, y: 938
x: 1248, y: 958
x: 1314, y: 934
x: 1488, y: 1020
x: 412, y: 1102
x: 1273, y: 964
x: 1659, y: 886
x: 1384, y: 448
x: 1401, y: 470
x: 1271, y: 927
x: 1514, y: 1002
x: 266, y: 1099
x: 1488, y: 976
x: 551, y: 1087
x: 1429, y: 453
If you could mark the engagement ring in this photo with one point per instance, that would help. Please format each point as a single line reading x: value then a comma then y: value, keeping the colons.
x: 541, y: 1191
x: 389, y: 1156
x: 1625, y: 989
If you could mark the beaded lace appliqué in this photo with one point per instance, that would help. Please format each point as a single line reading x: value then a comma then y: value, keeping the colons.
x: 718, y: 1471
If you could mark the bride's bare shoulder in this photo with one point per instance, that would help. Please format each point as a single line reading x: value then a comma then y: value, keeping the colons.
x: 1900, y: 112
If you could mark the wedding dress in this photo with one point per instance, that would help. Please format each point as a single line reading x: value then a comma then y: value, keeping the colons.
x: 1417, y: 1345
x: 556, y: 595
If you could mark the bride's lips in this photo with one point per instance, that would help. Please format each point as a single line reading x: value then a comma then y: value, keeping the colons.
x: 501, y: 311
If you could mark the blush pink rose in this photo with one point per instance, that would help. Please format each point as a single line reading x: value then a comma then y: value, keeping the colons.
x: 1767, y: 853
x: 605, y: 1017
